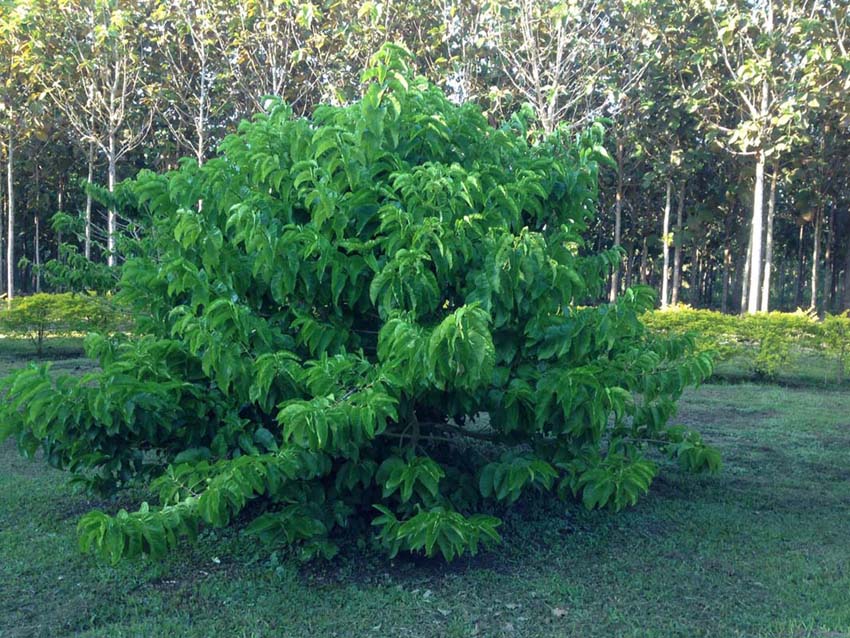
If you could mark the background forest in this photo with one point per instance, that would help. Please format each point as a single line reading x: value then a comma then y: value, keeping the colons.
x: 727, y: 121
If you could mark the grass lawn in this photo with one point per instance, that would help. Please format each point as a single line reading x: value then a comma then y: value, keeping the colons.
x: 759, y: 550
x: 65, y: 353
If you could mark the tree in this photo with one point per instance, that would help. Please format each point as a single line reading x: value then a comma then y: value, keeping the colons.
x: 759, y: 47
x: 191, y: 70
x: 268, y: 46
x: 97, y: 76
x: 323, y: 337
x: 552, y: 56
x: 630, y: 44
x: 18, y: 112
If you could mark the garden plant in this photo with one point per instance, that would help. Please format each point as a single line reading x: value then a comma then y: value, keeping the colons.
x: 375, y: 318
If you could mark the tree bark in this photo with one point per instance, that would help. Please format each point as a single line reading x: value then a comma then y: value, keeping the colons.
x: 89, y: 201
x: 644, y: 258
x: 60, y: 200
x: 2, y: 238
x: 110, y: 240
x: 665, y: 273
x: 813, y: 303
x: 847, y: 280
x: 618, y: 221
x: 745, y: 280
x: 10, y: 218
x: 711, y: 278
x: 829, y: 265
x: 677, y: 250
x: 727, y: 274
x: 755, y: 236
x: 37, y: 256
x: 768, y: 242
x: 798, y: 294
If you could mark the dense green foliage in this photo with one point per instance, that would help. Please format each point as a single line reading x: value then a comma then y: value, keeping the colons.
x: 765, y: 341
x: 367, y: 318
x: 42, y: 315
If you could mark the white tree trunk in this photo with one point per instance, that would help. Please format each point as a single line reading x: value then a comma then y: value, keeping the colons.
x: 618, y: 221
x: 816, y: 256
x: 10, y: 232
x: 768, y: 242
x: 110, y: 240
x: 745, y: 280
x: 677, y: 250
x: 846, y: 304
x: 201, y: 121
x: 89, y: 202
x: 665, y: 273
x: 37, y: 256
x: 2, y: 237
x: 755, y: 237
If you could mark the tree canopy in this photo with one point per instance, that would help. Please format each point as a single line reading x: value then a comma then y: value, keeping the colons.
x: 737, y: 109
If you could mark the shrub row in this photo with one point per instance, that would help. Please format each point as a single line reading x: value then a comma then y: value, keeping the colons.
x: 44, y: 315
x: 765, y: 341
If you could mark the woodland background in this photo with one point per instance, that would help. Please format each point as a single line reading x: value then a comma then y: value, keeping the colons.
x: 728, y: 121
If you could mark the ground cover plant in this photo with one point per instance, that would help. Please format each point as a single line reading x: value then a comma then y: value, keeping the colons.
x: 366, y: 319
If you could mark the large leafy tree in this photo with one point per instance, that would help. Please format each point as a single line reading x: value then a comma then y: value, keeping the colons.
x: 758, y: 49
x: 191, y: 73
x: 18, y: 112
x: 95, y: 66
x: 374, y: 318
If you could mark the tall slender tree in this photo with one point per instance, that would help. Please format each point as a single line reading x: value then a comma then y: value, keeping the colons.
x: 97, y: 72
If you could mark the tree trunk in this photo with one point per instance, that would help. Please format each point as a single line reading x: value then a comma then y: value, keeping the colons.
x: 201, y: 121
x: 110, y: 240
x: 755, y: 237
x: 2, y: 239
x: 37, y: 256
x: 618, y: 221
x: 847, y: 280
x: 798, y: 294
x: 829, y: 263
x: 813, y: 303
x: 665, y: 273
x: 693, y: 296
x: 10, y: 218
x: 727, y: 274
x: 60, y: 199
x: 89, y: 201
x: 768, y: 242
x: 745, y: 280
x: 644, y: 268
x: 712, y: 277
x: 677, y: 250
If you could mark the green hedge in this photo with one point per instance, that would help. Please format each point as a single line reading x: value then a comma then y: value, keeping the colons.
x: 766, y: 341
x: 44, y: 315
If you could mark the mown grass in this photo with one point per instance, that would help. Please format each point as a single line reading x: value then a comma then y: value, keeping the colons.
x: 759, y: 550
x: 64, y: 353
